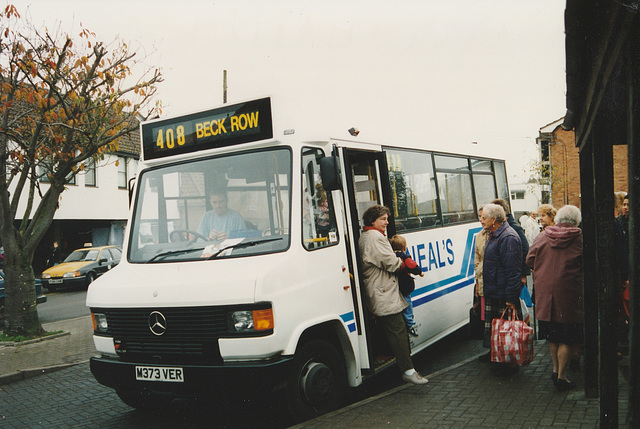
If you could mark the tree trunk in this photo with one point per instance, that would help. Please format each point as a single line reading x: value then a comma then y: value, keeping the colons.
x: 21, y: 313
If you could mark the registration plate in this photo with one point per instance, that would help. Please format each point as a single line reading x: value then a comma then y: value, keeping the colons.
x: 55, y: 281
x: 157, y: 373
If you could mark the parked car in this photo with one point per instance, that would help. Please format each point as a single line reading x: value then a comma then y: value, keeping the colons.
x: 81, y: 267
x: 40, y: 297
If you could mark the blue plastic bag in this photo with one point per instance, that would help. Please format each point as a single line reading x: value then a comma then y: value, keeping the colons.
x: 526, y: 305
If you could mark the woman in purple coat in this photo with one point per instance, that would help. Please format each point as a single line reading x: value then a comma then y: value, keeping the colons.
x: 556, y: 260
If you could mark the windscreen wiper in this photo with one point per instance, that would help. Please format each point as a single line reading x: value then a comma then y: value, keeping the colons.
x: 243, y: 244
x: 173, y: 252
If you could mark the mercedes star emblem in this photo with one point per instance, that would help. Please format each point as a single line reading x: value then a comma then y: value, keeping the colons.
x: 157, y: 323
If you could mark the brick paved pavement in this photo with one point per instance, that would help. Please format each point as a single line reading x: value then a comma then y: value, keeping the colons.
x: 73, y: 346
x: 465, y: 395
x: 468, y: 395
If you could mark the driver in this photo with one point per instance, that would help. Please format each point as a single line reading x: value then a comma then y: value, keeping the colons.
x: 219, y: 222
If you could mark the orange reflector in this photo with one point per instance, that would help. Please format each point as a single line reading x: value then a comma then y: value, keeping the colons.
x: 93, y: 321
x: 262, y: 319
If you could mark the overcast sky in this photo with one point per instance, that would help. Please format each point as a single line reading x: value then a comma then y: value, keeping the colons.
x: 433, y: 74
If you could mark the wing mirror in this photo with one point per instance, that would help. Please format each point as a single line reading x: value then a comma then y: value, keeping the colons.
x: 330, y: 173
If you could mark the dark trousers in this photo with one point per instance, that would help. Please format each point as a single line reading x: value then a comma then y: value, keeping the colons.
x: 396, y: 333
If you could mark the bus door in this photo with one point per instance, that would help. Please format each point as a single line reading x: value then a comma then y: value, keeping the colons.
x: 366, y: 182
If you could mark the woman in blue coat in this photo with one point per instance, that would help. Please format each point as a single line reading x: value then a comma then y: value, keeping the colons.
x: 501, y: 271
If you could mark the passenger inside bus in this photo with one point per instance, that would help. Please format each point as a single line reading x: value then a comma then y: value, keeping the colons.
x: 218, y: 223
x: 322, y: 218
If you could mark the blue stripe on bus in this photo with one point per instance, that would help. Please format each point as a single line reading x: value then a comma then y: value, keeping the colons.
x: 466, y: 272
x: 465, y: 278
x: 472, y: 251
x: 349, y: 317
x: 442, y: 292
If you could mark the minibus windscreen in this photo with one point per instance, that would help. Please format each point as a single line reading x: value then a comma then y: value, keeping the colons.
x: 191, y: 210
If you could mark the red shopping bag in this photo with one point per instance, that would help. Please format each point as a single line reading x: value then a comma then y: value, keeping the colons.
x: 511, y: 340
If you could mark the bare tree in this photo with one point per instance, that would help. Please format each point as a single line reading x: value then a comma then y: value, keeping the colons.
x: 63, y: 104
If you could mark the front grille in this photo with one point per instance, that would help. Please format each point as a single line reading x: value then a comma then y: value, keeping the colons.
x: 191, y: 334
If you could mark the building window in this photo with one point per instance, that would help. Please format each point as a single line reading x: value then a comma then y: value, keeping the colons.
x: 546, y: 197
x: 43, y: 173
x: 517, y: 195
x: 90, y: 173
x: 122, y: 172
x: 544, y: 151
x: 45, y: 168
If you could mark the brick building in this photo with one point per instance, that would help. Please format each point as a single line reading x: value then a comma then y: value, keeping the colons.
x: 560, y: 166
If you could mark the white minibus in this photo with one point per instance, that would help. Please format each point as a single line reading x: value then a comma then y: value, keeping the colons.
x: 272, y: 299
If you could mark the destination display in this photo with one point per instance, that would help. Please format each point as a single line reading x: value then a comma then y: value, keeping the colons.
x: 223, y: 126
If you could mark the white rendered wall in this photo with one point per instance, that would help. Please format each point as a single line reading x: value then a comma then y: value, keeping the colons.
x: 104, y: 201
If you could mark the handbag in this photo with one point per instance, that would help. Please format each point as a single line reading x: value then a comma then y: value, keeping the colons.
x: 475, y: 329
x: 511, y: 340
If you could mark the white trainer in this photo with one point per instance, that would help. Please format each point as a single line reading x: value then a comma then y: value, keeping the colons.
x: 414, y: 378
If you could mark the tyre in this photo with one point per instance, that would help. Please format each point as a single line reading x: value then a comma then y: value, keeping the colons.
x: 89, y: 279
x: 317, y: 382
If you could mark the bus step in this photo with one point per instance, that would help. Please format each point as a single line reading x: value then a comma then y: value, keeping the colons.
x: 383, y: 362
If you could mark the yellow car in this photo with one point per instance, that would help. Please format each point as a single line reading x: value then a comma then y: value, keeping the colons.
x: 81, y: 267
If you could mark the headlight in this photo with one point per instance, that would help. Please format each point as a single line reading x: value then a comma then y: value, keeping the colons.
x: 46, y: 275
x: 72, y: 274
x: 100, y: 323
x: 252, y: 320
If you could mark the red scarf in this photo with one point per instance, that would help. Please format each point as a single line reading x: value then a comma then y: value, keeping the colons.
x: 370, y: 228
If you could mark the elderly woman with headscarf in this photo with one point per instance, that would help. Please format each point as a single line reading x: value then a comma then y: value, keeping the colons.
x: 501, y: 272
x: 382, y: 292
x: 556, y: 260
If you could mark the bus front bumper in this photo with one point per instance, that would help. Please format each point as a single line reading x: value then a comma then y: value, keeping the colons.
x: 245, y: 379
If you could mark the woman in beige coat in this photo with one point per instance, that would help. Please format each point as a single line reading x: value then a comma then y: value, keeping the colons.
x: 383, y: 298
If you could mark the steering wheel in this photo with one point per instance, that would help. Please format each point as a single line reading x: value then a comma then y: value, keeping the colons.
x: 184, y: 235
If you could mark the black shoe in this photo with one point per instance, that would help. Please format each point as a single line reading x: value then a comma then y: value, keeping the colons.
x: 485, y: 358
x: 564, y: 385
x: 554, y: 378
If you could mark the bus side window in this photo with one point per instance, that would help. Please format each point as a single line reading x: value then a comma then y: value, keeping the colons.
x: 318, y: 218
x: 455, y: 190
x: 413, y: 190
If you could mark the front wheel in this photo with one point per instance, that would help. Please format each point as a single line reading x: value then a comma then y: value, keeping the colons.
x: 89, y: 279
x: 318, y: 380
